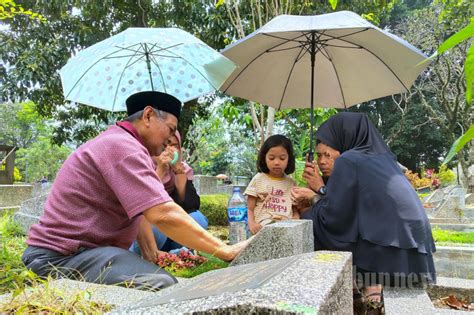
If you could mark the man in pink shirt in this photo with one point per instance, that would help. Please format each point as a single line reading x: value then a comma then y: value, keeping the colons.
x: 101, y: 193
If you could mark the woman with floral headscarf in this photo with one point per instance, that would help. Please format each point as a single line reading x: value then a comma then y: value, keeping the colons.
x: 177, y: 178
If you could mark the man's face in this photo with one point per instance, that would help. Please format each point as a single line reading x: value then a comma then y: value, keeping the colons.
x: 159, y: 132
x: 326, y: 157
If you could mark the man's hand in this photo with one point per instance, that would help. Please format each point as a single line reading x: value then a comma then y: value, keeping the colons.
x: 152, y: 256
x: 229, y: 252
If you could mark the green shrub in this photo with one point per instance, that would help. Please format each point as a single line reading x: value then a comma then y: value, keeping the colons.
x: 446, y: 176
x: 214, y: 207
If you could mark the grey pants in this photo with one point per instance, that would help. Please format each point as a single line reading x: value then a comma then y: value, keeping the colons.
x: 104, y: 265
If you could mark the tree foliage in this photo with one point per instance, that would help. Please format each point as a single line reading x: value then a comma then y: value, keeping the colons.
x: 441, y: 89
x: 9, y: 9
x: 42, y: 158
x: 32, y: 52
x: 21, y: 126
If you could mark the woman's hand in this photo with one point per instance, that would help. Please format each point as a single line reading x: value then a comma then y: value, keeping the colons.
x: 302, y: 197
x: 163, y: 161
x: 311, y: 176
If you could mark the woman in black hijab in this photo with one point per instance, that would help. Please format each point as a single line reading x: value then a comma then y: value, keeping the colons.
x: 368, y: 206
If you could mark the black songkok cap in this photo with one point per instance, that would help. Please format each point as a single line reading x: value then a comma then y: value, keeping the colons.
x: 161, y: 101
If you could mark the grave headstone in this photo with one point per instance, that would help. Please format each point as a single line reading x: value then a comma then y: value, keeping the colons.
x: 30, y: 212
x: 317, y: 282
x: 281, y: 239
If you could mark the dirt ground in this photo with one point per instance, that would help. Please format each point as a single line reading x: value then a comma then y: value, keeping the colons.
x: 221, y: 232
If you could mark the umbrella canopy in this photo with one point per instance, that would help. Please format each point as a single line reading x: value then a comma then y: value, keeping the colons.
x: 331, y: 60
x: 168, y: 60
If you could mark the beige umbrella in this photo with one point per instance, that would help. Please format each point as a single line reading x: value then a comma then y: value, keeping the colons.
x: 331, y: 60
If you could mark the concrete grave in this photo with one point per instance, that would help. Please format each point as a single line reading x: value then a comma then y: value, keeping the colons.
x: 462, y: 288
x: 30, y: 212
x: 281, y: 239
x: 11, y: 196
x: 469, y: 199
x: 317, y: 282
x: 448, y: 203
x: 455, y: 262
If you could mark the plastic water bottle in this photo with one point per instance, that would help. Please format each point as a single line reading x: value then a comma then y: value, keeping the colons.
x: 237, y: 214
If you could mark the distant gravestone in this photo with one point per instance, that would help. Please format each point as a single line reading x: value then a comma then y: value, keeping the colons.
x: 30, y: 212
x: 469, y: 199
x: 312, y: 283
x: 447, y: 203
x: 281, y: 239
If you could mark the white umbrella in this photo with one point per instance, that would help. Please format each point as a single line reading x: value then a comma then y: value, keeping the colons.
x: 168, y: 60
x: 331, y: 60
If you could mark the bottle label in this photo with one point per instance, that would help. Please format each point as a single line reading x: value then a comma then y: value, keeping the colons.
x: 237, y: 214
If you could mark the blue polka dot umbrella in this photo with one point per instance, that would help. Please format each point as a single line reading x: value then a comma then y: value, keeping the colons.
x: 168, y: 60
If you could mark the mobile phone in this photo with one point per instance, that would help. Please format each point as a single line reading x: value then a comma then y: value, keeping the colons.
x: 310, y: 156
x: 175, y: 158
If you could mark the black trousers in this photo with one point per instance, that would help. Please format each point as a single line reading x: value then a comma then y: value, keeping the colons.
x: 103, y: 265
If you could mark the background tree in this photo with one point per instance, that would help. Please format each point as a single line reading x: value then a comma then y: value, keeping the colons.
x: 20, y: 124
x: 441, y: 88
x: 22, y: 127
x: 32, y: 52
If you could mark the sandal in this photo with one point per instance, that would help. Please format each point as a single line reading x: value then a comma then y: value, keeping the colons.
x: 374, y: 307
x: 359, y: 303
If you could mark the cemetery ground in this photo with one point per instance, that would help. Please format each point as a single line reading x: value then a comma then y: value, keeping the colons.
x: 43, y: 295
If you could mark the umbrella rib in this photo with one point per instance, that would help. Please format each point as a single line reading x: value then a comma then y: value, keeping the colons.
x: 137, y: 60
x: 197, y: 70
x: 161, y: 48
x: 298, y: 57
x: 284, y: 49
x: 123, y: 56
x: 362, y: 47
x: 286, y: 39
x: 383, y: 62
x: 337, y: 46
x: 263, y: 52
x: 128, y: 48
x: 338, y: 79
x: 159, y: 70
x: 86, y: 71
x: 120, y: 79
x: 331, y: 37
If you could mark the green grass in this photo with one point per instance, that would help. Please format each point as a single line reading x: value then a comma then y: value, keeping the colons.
x: 212, y: 263
x: 12, y: 245
x: 446, y: 236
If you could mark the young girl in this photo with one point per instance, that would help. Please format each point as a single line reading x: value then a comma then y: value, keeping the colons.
x: 269, y: 192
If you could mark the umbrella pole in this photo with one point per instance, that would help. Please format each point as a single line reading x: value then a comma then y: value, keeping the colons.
x: 313, y: 58
x: 148, y: 65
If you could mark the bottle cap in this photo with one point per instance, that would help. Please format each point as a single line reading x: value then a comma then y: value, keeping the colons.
x: 236, y: 189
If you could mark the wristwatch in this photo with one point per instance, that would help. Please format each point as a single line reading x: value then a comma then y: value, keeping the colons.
x: 321, y: 191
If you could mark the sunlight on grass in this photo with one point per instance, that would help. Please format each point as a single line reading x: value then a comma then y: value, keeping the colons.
x: 446, y: 236
x: 41, y: 297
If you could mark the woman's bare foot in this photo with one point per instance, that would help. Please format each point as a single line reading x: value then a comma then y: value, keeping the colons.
x: 373, y: 293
